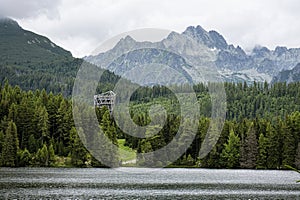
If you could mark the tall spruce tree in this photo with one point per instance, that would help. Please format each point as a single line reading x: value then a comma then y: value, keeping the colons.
x: 273, y: 159
x: 10, y: 147
x: 249, y: 149
x: 231, y: 153
x: 262, y: 152
x: 297, y: 158
x: 289, y: 144
x: 78, y: 152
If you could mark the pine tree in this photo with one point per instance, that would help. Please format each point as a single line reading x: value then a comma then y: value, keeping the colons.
x: 289, y: 146
x: 262, y: 152
x: 273, y: 151
x: 42, y: 157
x: 64, y: 124
x: 51, y: 155
x: 250, y: 149
x: 78, y: 152
x: 291, y: 139
x: 10, y: 147
x: 2, y: 137
x: 110, y: 150
x: 297, y: 159
x: 13, y: 113
x: 32, y: 144
x: 24, y: 158
x: 230, y: 155
x: 42, y: 124
x: 24, y: 122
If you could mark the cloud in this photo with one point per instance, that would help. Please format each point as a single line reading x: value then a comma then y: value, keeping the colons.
x: 82, y: 25
x: 29, y: 8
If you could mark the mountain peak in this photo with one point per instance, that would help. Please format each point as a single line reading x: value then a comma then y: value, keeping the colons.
x: 280, y: 50
x: 211, y: 39
x: 192, y: 30
x: 218, y: 39
x: 8, y: 21
x: 128, y: 40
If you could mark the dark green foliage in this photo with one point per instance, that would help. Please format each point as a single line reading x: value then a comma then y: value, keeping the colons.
x: 249, y: 149
x: 297, y: 158
x: 109, y: 135
x: 24, y: 158
x: 51, y: 154
x: 42, y: 157
x: 34, y: 62
x: 256, y: 134
x: 262, y: 152
x: 1, y: 141
x: 10, y: 146
x: 78, y: 152
x: 231, y: 153
x: 273, y: 148
x: 290, y: 139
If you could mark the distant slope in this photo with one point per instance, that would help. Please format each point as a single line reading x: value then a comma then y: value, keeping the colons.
x: 288, y: 76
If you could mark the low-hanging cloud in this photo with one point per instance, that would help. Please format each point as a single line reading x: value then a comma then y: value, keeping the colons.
x: 80, y: 25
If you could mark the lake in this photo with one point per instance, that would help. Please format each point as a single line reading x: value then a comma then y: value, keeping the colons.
x: 126, y: 183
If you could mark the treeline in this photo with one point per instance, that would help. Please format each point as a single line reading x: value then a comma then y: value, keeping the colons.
x: 251, y: 143
x: 56, y: 76
x: 259, y: 100
x: 262, y: 128
x: 37, y: 129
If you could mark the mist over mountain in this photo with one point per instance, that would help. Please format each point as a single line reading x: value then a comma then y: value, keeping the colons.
x: 201, y: 54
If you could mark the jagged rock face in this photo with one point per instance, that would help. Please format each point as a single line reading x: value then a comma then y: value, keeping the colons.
x: 288, y: 76
x: 202, y: 51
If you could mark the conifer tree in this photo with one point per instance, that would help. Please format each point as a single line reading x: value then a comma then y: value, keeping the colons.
x: 10, y: 147
x: 297, y: 159
x: 230, y: 155
x: 273, y: 150
x: 51, y: 155
x: 42, y: 157
x: 78, y: 152
x: 262, y: 152
x: 250, y: 149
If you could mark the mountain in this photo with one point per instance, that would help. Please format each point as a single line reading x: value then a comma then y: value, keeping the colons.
x: 17, y: 45
x: 32, y: 61
x: 201, y: 56
x: 288, y: 76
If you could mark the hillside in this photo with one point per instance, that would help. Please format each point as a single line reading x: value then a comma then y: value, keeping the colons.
x: 34, y: 62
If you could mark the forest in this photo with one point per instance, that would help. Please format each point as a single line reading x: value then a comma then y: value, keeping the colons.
x: 261, y: 131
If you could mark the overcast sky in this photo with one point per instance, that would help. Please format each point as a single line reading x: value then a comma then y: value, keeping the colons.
x: 80, y: 26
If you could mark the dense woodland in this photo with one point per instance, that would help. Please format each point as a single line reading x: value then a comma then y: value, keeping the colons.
x: 262, y: 128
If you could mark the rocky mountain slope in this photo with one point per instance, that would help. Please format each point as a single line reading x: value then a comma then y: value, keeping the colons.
x: 288, y: 76
x: 200, y: 54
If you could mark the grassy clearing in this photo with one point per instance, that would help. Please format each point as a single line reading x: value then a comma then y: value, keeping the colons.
x: 126, y: 153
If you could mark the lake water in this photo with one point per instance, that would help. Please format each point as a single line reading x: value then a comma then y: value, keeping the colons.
x: 58, y: 183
